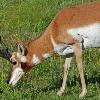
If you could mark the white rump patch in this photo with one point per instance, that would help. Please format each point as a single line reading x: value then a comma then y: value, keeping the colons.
x: 36, y: 60
x: 89, y: 33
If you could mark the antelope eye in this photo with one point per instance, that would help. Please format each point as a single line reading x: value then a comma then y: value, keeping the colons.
x: 14, y: 63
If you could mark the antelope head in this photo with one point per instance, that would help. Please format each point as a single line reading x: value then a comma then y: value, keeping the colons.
x: 19, y: 65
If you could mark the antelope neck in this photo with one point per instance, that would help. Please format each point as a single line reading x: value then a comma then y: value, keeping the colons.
x: 40, y: 49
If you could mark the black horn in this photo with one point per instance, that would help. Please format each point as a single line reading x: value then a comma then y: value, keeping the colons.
x: 5, y: 52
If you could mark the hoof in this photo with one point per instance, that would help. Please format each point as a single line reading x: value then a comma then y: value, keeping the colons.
x: 59, y: 93
x: 83, y: 94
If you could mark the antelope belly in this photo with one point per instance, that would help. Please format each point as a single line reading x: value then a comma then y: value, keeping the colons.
x: 89, y: 33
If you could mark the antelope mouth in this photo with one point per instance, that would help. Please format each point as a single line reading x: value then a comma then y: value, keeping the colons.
x: 16, y: 75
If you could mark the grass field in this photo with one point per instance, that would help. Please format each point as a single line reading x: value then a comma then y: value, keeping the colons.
x: 26, y: 19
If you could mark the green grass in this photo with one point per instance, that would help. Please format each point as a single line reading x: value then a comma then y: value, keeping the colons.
x: 26, y: 19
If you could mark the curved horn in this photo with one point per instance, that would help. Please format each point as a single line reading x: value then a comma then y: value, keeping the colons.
x: 5, y: 52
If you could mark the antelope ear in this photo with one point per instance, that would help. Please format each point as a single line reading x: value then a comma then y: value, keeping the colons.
x: 22, y: 49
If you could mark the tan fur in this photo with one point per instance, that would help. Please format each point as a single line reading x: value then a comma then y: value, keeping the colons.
x: 76, y: 16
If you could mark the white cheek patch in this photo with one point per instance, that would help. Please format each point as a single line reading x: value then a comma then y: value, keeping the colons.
x: 16, y: 75
x: 46, y: 55
x: 12, y: 58
x: 23, y: 59
x: 36, y: 60
x: 18, y: 55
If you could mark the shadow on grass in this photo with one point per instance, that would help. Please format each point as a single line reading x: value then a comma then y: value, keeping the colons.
x: 95, y: 78
x: 58, y: 83
x: 1, y: 90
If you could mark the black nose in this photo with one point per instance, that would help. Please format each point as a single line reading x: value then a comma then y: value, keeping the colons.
x: 7, y: 81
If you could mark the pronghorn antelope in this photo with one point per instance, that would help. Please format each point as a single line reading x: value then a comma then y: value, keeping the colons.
x: 71, y: 30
